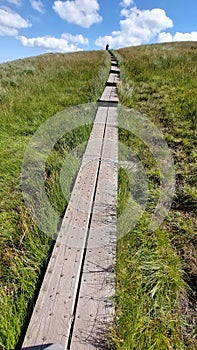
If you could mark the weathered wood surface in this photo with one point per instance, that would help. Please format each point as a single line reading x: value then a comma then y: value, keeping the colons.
x: 95, y: 306
x: 75, y: 307
x: 115, y: 69
x: 109, y: 94
x: 113, y: 78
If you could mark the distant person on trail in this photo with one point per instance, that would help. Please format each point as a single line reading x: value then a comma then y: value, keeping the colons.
x: 107, y: 47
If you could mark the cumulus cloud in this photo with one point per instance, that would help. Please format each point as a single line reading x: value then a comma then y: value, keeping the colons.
x: 81, y: 12
x: 37, y: 5
x: 66, y: 43
x: 164, y: 37
x: 11, y: 21
x: 138, y: 27
x: 78, y: 39
x: 167, y: 37
x: 126, y: 3
x: 7, y: 31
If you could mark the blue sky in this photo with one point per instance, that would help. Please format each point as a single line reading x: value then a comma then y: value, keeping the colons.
x: 33, y: 27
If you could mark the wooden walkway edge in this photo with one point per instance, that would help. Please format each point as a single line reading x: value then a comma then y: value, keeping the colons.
x: 75, y: 304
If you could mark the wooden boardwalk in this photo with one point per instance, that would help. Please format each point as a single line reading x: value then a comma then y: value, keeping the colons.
x: 75, y: 304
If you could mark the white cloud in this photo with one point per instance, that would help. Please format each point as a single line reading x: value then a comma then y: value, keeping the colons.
x: 15, y: 2
x: 7, y: 31
x: 138, y: 27
x: 164, y: 37
x: 79, y: 38
x: 11, y: 21
x: 37, y: 5
x: 126, y: 3
x: 66, y: 43
x: 167, y: 37
x: 81, y: 12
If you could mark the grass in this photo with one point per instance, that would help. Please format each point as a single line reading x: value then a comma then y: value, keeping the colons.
x: 31, y: 91
x: 157, y: 271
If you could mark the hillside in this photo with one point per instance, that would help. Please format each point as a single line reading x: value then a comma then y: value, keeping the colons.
x: 32, y: 90
x: 156, y: 271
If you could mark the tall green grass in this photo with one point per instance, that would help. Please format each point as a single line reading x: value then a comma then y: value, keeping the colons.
x: 32, y: 90
x: 157, y: 272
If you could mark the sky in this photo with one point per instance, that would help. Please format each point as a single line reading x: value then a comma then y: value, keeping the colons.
x: 33, y: 27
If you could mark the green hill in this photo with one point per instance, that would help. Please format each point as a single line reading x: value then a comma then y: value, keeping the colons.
x: 32, y: 90
x: 155, y: 272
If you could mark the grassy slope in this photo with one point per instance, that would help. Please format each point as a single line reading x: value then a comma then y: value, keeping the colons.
x: 31, y: 91
x: 156, y: 272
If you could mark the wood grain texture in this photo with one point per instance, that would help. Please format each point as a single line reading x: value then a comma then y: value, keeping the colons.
x: 95, y: 308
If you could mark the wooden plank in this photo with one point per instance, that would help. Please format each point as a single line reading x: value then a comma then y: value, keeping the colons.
x: 95, y: 306
x: 110, y: 94
x: 106, y: 93
x: 52, y: 316
x: 101, y: 115
x: 76, y: 269
x: 115, y: 69
x: 113, y: 78
x: 112, y: 117
x: 114, y: 95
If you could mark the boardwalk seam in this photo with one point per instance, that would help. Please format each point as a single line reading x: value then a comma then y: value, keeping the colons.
x: 86, y: 242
